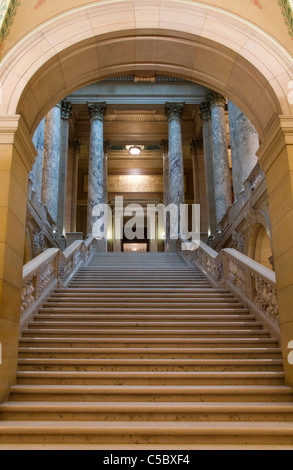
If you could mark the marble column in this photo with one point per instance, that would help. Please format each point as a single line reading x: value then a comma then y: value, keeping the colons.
x: 174, y: 112
x: 37, y: 171
x: 164, y: 148
x: 107, y: 146
x: 223, y: 191
x: 244, y: 143
x: 96, y: 161
x: 205, y: 115
x: 75, y: 162
x: 50, y: 184
x: 65, y: 116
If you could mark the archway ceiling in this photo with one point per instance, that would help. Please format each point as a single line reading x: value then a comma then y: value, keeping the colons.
x: 204, y: 62
x: 30, y: 14
x: 191, y: 40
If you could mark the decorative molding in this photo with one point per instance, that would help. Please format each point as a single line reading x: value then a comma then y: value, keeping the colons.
x: 287, y: 14
x: 257, y: 4
x: 8, y: 20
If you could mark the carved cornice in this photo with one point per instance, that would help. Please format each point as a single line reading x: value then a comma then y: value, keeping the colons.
x: 97, y: 111
x: 174, y: 110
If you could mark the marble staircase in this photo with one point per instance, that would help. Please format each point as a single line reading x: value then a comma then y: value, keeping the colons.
x: 140, y: 351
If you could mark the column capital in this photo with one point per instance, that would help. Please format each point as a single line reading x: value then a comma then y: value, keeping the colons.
x: 164, y: 145
x: 66, y: 109
x: 196, y: 145
x: 97, y: 111
x: 205, y: 111
x: 107, y: 146
x: 174, y: 110
x: 215, y: 99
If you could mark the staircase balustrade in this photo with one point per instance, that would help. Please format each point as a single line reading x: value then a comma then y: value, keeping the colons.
x: 253, y: 283
x: 49, y: 270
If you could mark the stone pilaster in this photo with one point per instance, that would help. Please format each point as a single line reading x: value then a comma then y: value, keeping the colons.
x: 66, y: 109
x: 244, y: 143
x: 221, y: 157
x: 205, y: 114
x: 96, y: 161
x: 50, y: 184
x: 174, y: 111
x: 17, y: 159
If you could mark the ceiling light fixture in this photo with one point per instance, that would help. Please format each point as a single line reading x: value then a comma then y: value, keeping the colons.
x: 135, y: 150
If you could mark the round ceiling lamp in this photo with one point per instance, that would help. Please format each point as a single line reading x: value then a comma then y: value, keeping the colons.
x: 135, y: 150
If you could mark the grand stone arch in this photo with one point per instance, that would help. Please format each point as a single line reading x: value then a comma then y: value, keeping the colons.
x: 197, y: 42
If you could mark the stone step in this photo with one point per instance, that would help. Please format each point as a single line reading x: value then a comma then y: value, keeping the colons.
x: 202, y: 296
x: 83, y: 318
x: 138, y: 305
x: 92, y: 361
x: 134, y: 433
x: 153, y: 310
x: 150, y: 378
x: 156, y: 342
x: 137, y: 283
x: 142, y: 333
x: 119, y: 411
x: 195, y: 353
x: 172, y: 393
x: 147, y: 324
x: 70, y: 325
x: 130, y: 290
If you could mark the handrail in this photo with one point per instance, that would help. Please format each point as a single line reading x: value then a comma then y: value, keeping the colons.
x: 49, y: 270
x: 253, y: 283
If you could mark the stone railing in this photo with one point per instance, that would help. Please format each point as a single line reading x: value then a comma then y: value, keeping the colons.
x: 51, y: 269
x: 252, y: 283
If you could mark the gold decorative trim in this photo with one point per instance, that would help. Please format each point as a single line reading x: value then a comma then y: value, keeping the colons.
x: 287, y: 14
